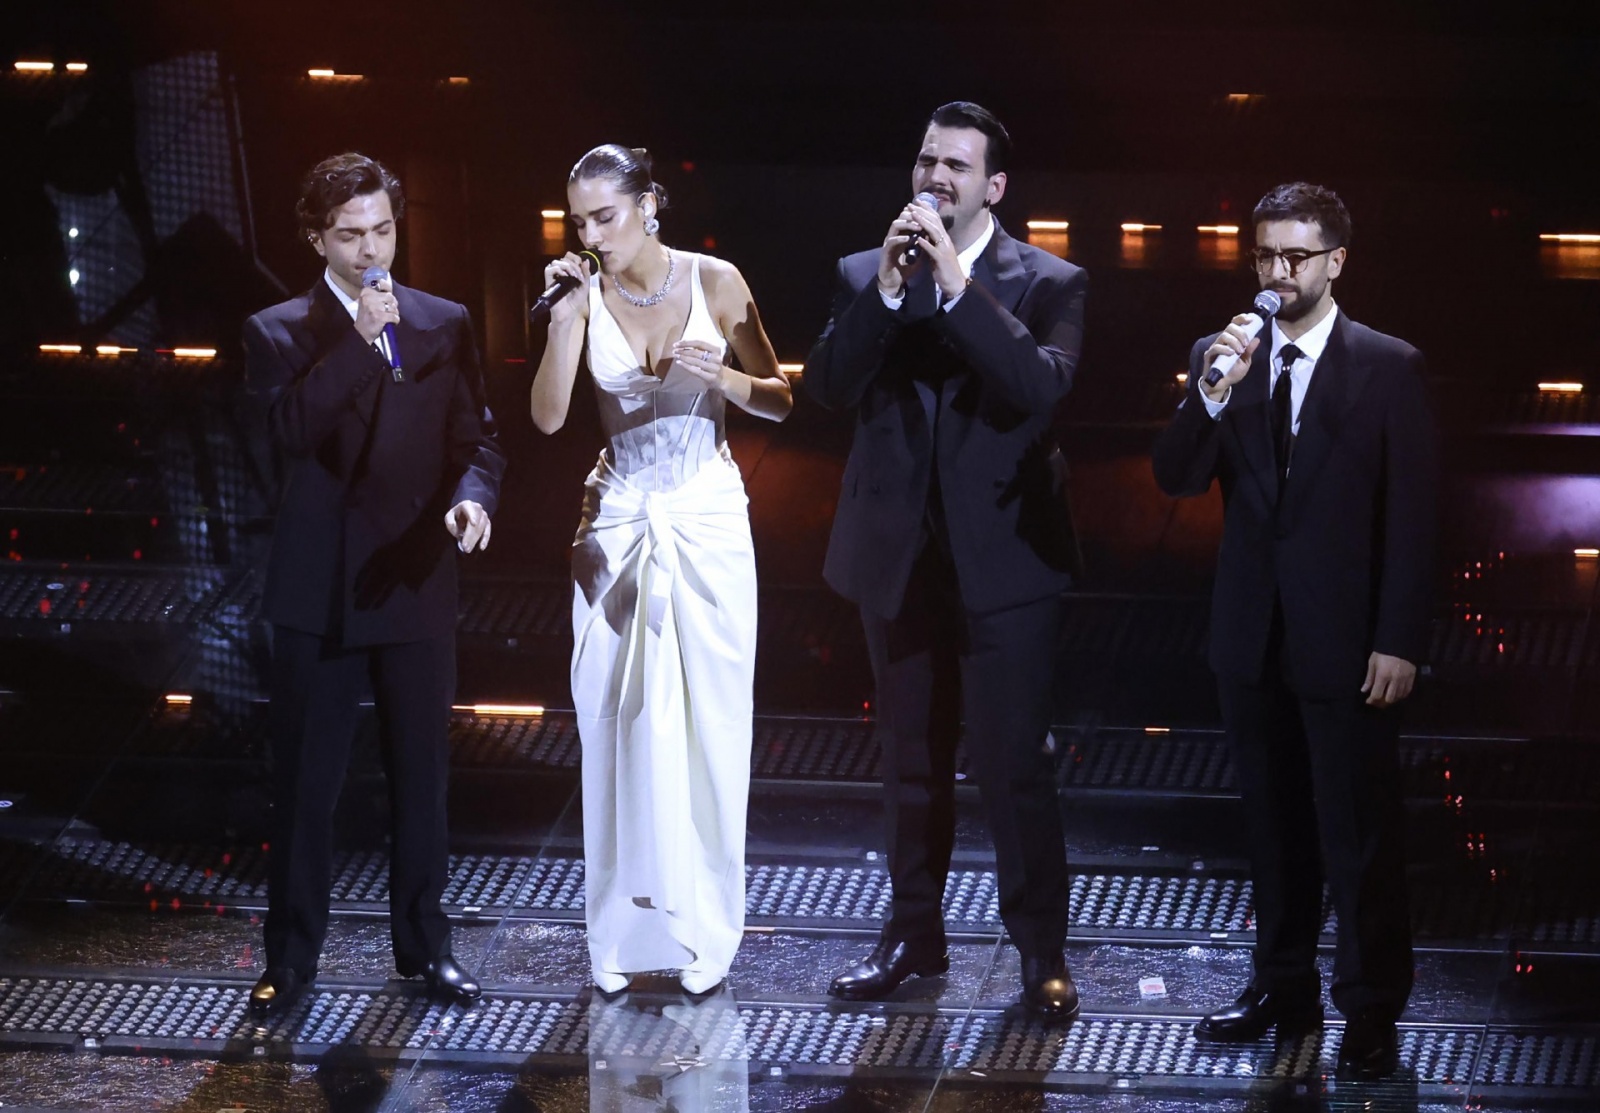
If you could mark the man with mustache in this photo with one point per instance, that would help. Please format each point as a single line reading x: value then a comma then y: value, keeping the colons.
x: 1323, y: 443
x: 952, y: 538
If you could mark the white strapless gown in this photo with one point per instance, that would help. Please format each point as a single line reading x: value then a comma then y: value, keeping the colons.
x: 663, y: 666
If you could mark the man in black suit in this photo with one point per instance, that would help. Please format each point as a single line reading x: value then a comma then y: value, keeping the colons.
x: 952, y: 537
x: 1323, y: 442
x: 388, y: 451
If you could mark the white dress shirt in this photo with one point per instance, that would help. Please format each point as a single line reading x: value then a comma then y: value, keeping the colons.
x: 966, y: 258
x: 1311, y: 346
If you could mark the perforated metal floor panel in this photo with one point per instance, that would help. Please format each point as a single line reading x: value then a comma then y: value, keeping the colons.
x: 1199, y: 904
x: 130, y: 603
x: 1134, y: 1052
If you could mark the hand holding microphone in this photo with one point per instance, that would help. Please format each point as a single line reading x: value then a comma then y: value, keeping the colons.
x: 377, y: 312
x: 1228, y: 359
x: 562, y: 277
x: 900, y: 248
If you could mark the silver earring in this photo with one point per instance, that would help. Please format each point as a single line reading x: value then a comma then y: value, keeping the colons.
x: 651, y: 226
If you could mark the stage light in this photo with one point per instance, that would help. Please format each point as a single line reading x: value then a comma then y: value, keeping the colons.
x: 505, y: 710
x: 35, y: 67
x: 1586, y: 554
x: 72, y: 233
x: 195, y: 353
x: 553, y: 214
x: 77, y: 67
x: 458, y: 81
x: 1570, y: 237
x: 331, y: 75
x: 1134, y: 227
x: 1048, y: 225
x: 1560, y: 388
x: 73, y: 276
x: 1158, y: 730
x: 1218, y: 229
x: 179, y: 699
x: 1183, y: 378
x: 792, y: 370
x: 62, y: 349
x: 112, y: 350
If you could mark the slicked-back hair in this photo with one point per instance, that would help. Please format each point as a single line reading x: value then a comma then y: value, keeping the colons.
x: 965, y: 114
x: 1313, y: 204
x: 333, y: 181
x: 628, y: 168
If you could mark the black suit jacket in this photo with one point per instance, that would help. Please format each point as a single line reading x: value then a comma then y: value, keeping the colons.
x: 359, y: 551
x: 1348, y: 543
x: 974, y: 389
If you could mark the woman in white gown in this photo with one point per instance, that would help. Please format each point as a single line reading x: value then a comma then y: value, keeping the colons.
x: 664, y: 591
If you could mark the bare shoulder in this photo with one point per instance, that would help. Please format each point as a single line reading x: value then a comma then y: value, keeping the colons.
x: 722, y: 281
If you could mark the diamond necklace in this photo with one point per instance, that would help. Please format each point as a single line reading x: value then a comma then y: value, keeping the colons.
x: 655, y: 298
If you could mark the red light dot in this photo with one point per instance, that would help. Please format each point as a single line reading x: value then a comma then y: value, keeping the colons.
x: 709, y: 243
x: 138, y: 554
x: 687, y: 167
x: 176, y: 904
x: 44, y: 606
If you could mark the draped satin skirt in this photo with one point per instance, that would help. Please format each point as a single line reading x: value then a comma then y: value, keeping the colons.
x: 663, y: 668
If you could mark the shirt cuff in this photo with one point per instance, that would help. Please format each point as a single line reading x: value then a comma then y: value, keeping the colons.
x: 895, y: 302
x: 1215, y: 408
x: 951, y: 304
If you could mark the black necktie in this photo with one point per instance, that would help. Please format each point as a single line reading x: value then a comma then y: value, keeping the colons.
x: 1282, y: 408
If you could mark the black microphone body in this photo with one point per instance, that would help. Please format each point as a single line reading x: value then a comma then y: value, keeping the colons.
x: 1266, y: 306
x: 371, y: 277
x: 562, y: 286
x: 913, y: 250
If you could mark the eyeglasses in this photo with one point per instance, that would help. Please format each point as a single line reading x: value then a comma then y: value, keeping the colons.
x: 1266, y: 261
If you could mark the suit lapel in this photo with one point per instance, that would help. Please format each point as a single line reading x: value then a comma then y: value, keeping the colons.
x: 1335, y: 385
x: 999, y: 269
x: 1253, y: 427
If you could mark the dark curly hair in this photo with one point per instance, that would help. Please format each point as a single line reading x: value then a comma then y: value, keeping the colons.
x: 333, y: 181
x: 1312, y: 204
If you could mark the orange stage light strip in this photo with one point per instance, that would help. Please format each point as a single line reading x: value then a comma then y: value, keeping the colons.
x: 62, y: 349
x: 35, y: 67
x: 1218, y: 229
x: 507, y: 710
x: 1561, y: 388
x: 1570, y: 237
x: 1158, y: 730
x: 195, y: 353
x: 792, y: 369
x: 112, y: 350
x: 458, y: 80
x: 1586, y: 554
x: 1183, y: 378
x: 1048, y: 225
x: 331, y: 75
x: 1134, y: 227
x: 552, y: 214
x: 179, y: 699
x: 77, y: 67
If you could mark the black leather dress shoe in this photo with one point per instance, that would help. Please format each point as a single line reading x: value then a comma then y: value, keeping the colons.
x: 1047, y: 988
x: 1256, y: 1011
x: 889, y: 964
x: 277, y: 989
x: 1370, y: 1049
x: 445, y: 979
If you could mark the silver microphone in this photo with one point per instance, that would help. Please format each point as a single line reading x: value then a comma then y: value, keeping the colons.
x: 1266, y: 306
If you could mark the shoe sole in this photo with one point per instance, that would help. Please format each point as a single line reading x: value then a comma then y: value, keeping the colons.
x: 931, y: 970
x: 1286, y: 1029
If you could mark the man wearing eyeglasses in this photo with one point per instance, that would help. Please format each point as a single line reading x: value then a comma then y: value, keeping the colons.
x: 1322, y: 440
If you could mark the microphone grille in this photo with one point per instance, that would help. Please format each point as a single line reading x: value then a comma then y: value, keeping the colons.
x: 373, y: 275
x: 927, y: 200
x: 1268, y: 303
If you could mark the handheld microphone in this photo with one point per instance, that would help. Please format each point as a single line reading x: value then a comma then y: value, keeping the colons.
x: 371, y: 277
x: 562, y: 286
x: 927, y: 200
x: 1266, y: 306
